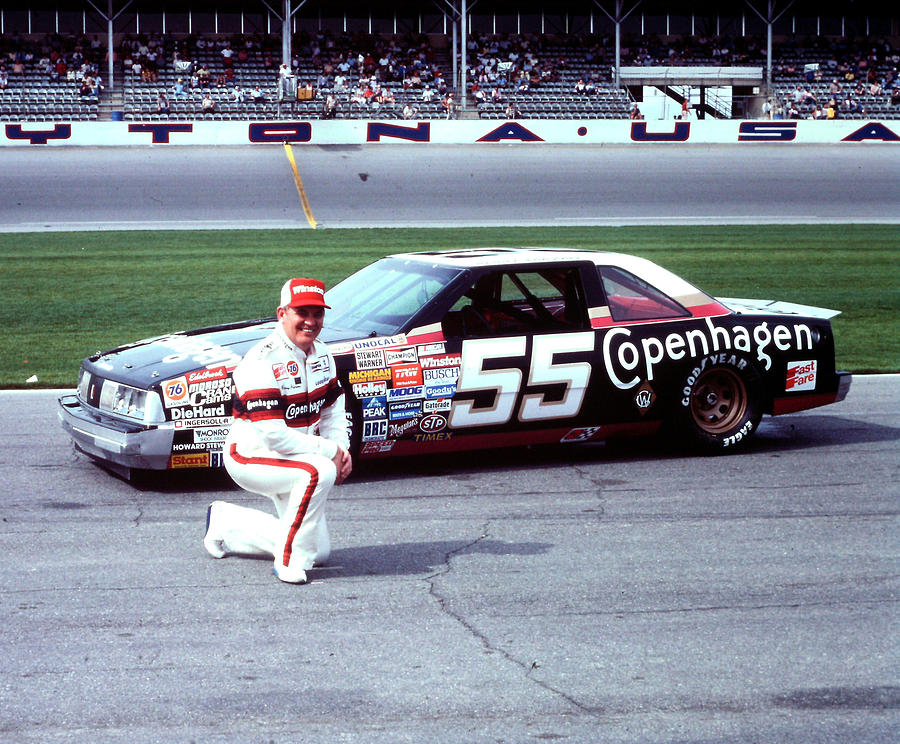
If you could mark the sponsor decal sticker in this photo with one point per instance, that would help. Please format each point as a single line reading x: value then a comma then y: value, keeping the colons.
x: 585, y: 434
x: 368, y: 389
x: 197, y: 412
x: 280, y: 371
x: 440, y: 375
x: 442, y: 360
x: 368, y: 375
x: 400, y: 356
x: 433, y: 406
x: 206, y: 375
x: 211, y: 434
x: 175, y: 392
x: 432, y: 423
x: 293, y: 368
x: 407, y: 375
x: 443, y: 436
x: 396, y: 431
x: 440, y: 391
x: 374, y: 431
x: 801, y: 376
x: 413, y: 392
x: 195, y: 460
x: 435, y: 348
x: 370, y: 359
x: 404, y: 410
x: 374, y: 408
x: 644, y: 398
x: 377, y: 448
x: 201, y: 423
x: 380, y: 342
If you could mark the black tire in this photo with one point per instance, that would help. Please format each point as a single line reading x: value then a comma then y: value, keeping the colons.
x: 720, y: 404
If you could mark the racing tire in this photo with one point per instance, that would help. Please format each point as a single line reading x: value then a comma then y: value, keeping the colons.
x: 720, y: 404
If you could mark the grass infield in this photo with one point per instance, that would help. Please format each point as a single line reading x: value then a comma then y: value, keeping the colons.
x: 67, y: 295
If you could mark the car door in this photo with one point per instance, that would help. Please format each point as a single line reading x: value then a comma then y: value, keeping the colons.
x: 525, y: 355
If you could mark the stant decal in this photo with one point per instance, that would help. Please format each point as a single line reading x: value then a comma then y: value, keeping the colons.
x: 197, y: 460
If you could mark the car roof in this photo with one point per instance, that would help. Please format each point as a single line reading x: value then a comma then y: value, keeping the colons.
x: 479, y: 258
x: 505, y: 256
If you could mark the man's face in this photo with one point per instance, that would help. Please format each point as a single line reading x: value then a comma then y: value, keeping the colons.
x: 302, y: 324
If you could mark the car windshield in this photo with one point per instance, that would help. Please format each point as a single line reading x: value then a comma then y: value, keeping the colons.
x: 379, y: 299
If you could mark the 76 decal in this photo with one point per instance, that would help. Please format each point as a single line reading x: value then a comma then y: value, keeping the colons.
x: 505, y: 384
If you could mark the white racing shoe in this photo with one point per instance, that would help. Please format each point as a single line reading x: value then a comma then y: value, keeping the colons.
x: 289, y: 575
x: 212, y: 540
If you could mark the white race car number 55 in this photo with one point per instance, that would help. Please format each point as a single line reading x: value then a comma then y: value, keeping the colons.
x: 507, y: 382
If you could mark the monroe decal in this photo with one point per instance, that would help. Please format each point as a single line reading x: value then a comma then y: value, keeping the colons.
x: 628, y: 362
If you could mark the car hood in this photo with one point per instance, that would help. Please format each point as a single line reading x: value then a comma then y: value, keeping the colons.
x: 766, y: 307
x: 150, y: 361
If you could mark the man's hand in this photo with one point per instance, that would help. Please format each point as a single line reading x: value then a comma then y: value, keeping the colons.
x: 344, y: 464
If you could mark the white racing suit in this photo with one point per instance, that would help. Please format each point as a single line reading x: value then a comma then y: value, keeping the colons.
x: 288, y: 422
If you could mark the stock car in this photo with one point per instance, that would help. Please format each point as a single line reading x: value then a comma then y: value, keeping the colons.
x: 472, y: 349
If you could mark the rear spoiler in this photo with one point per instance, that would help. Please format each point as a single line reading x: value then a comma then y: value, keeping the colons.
x: 774, y: 306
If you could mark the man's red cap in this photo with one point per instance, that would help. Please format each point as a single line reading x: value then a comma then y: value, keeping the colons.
x: 301, y: 292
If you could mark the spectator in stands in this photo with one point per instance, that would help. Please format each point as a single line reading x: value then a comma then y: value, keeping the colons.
x: 4, y: 78
x: 831, y: 111
x: 179, y: 89
x: 427, y: 94
x: 512, y: 111
x: 238, y: 94
x: 208, y: 105
x: 227, y: 55
x: 410, y: 112
x: 636, y: 112
x: 330, y: 108
x: 257, y: 95
x: 895, y: 96
x: 449, y: 105
x: 204, y: 77
x: 162, y: 104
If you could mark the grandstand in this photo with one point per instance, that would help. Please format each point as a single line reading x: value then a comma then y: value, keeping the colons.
x: 525, y: 64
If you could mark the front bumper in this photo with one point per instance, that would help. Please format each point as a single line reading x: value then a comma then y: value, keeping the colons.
x: 117, y: 444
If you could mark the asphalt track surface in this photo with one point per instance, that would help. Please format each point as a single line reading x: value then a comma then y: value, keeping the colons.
x: 176, y: 187
x: 603, y: 593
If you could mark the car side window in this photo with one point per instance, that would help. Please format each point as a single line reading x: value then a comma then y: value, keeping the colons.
x: 631, y: 298
x: 511, y: 302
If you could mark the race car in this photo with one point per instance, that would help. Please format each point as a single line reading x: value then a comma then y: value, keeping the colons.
x: 473, y: 349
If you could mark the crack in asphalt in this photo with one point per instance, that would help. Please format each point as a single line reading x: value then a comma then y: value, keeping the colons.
x: 527, y: 666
